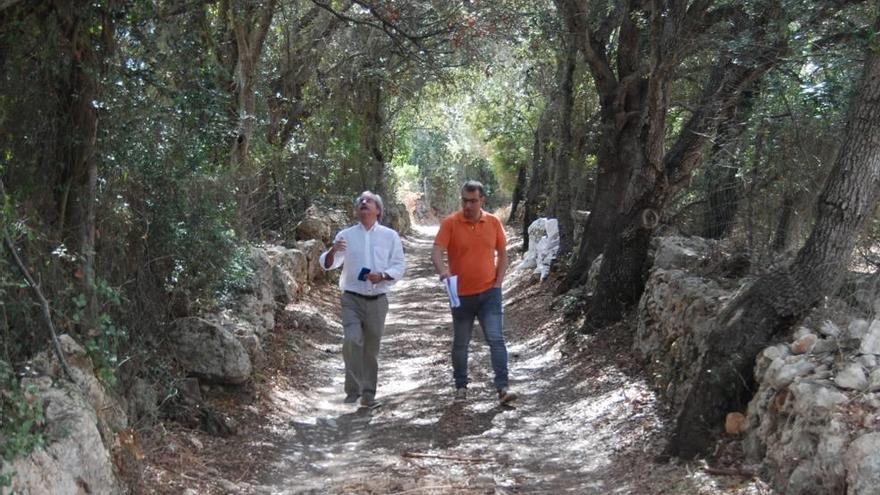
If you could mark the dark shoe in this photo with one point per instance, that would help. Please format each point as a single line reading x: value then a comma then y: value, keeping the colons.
x: 505, y: 396
x: 460, y: 394
x: 351, y: 398
x: 369, y: 401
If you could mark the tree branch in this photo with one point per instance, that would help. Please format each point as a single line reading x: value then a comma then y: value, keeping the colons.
x: 47, y: 314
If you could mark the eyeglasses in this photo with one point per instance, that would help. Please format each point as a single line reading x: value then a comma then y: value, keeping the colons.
x: 366, y: 200
x: 470, y: 201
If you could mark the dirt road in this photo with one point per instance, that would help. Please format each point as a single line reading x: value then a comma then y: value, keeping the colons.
x: 586, y: 421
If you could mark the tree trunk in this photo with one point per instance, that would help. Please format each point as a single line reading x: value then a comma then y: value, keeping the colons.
x: 372, y: 137
x: 783, y: 226
x: 562, y: 200
x: 767, y: 309
x: 609, y: 192
x: 637, y: 176
x: 249, y: 24
x: 78, y: 221
x: 518, y: 193
x: 246, y: 26
x: 538, y: 177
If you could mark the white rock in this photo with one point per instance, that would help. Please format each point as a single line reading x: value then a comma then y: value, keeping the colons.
x: 858, y: 328
x: 874, y: 381
x: 871, y: 339
x: 810, y: 396
x: 862, y: 462
x: 829, y: 329
x: 788, y: 372
x: 852, y: 377
x: 869, y: 361
x: 825, y: 345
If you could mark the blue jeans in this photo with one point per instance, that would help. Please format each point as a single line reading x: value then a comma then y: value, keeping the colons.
x: 486, y: 307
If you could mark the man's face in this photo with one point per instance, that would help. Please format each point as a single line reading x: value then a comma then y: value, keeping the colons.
x: 367, y: 208
x: 471, y: 204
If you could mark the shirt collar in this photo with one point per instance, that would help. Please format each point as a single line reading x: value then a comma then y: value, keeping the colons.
x: 371, y: 229
x: 461, y: 218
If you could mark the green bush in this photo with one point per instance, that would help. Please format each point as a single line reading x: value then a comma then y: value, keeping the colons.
x: 21, y: 420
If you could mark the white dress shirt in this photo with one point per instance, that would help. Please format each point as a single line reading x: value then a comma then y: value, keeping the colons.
x: 378, y: 249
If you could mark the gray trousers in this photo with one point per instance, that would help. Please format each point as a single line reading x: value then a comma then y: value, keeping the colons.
x: 363, y: 321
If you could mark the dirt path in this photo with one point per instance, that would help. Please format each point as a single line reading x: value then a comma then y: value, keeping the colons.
x: 586, y: 421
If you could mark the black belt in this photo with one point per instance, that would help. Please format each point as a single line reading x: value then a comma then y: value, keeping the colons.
x: 369, y: 298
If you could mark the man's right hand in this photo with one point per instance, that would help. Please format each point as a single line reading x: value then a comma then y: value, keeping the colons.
x: 445, y: 275
x: 338, y: 246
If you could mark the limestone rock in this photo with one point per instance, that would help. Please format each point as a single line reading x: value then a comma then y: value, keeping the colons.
x: 396, y: 217
x: 874, y: 381
x: 804, y: 344
x: 313, y: 227
x: 852, y: 377
x: 209, y: 351
x: 679, y: 252
x: 829, y: 329
x: 312, y: 250
x: 862, y: 462
x: 782, y: 373
x: 871, y: 339
x: 75, y: 459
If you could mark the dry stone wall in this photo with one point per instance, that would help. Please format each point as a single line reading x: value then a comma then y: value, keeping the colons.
x: 814, y: 422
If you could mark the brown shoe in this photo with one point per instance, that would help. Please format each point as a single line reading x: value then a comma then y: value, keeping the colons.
x: 505, y: 396
x: 369, y: 401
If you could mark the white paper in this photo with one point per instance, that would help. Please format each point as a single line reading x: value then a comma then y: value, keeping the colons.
x: 451, y: 284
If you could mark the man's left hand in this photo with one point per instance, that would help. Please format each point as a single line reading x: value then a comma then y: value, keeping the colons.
x: 375, y: 277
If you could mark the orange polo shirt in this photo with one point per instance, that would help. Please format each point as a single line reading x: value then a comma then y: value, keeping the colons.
x: 471, y: 248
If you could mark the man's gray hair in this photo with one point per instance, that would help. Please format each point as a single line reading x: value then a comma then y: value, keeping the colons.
x: 375, y: 197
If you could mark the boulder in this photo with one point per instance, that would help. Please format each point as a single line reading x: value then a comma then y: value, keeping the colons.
x: 209, y: 351
x: 313, y: 227
x: 289, y: 273
x: 680, y: 252
x: 250, y: 336
x: 312, y: 250
x: 323, y: 222
x: 862, y: 462
x: 75, y: 459
x: 396, y: 217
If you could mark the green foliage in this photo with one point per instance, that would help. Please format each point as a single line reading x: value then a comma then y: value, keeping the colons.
x: 21, y: 419
x: 104, y: 348
x: 238, y: 274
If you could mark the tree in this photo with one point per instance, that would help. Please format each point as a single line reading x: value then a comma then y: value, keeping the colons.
x: 637, y: 173
x: 769, y: 306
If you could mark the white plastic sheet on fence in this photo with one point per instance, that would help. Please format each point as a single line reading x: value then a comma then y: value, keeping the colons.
x: 543, y: 246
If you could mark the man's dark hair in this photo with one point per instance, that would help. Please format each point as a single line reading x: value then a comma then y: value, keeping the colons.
x: 473, y: 185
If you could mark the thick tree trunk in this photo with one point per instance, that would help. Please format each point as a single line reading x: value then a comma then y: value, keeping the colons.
x: 766, y: 310
x: 611, y: 178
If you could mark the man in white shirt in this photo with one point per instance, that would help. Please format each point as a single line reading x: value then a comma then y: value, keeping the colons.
x: 371, y: 256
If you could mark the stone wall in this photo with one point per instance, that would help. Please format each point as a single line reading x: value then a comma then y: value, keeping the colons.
x: 814, y: 422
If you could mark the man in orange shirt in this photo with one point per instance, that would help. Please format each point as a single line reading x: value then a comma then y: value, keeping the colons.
x: 475, y: 245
